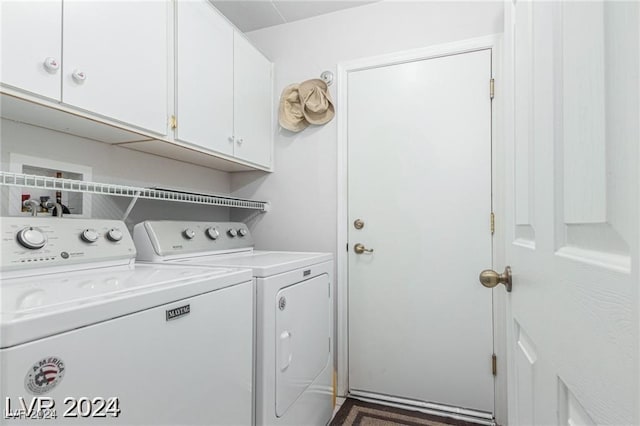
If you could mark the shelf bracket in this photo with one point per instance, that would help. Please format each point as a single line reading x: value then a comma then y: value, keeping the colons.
x: 132, y: 204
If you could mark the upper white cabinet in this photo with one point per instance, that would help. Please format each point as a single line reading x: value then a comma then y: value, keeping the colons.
x: 109, y: 58
x: 115, y: 60
x: 252, y: 103
x: 31, y: 46
x: 115, y: 71
x: 223, y: 86
x: 204, y: 77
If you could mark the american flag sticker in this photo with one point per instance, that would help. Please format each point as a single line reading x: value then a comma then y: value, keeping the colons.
x: 44, y: 375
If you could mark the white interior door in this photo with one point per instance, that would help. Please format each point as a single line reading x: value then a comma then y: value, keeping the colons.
x: 419, y: 177
x: 572, y: 203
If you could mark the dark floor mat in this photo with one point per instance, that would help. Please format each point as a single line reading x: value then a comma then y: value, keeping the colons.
x: 360, y: 413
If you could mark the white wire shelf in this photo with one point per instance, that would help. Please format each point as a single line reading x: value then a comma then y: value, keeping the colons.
x: 51, y: 183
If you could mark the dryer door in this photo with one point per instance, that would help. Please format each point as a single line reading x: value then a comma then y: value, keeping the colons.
x: 303, y: 321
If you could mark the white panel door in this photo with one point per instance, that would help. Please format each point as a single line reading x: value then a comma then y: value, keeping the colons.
x: 252, y: 103
x: 31, y: 34
x: 117, y: 51
x: 204, y: 76
x: 419, y: 172
x: 572, y: 212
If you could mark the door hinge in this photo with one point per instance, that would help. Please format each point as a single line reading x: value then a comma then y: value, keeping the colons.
x: 173, y: 122
x: 492, y: 88
x: 493, y: 223
x: 494, y: 364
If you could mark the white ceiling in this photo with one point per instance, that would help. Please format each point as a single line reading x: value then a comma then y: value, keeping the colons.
x: 249, y: 15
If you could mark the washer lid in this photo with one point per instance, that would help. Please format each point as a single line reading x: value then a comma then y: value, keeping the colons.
x: 263, y: 263
x: 36, y: 307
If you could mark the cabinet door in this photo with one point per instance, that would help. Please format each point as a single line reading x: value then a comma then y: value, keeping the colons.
x: 31, y: 46
x: 204, y: 77
x: 252, y: 103
x: 115, y: 60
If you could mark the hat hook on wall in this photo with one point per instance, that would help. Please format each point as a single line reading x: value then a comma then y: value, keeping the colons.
x: 327, y: 77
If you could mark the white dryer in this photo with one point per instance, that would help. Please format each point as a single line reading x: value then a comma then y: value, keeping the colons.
x: 294, y: 312
x: 88, y: 336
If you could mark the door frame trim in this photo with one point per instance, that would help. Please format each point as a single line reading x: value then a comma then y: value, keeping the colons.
x: 493, y: 42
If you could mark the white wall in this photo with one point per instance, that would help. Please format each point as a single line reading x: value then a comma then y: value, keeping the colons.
x: 303, y: 187
x: 112, y: 164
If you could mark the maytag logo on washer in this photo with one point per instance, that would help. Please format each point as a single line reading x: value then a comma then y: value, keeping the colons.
x: 178, y: 312
x: 44, y: 375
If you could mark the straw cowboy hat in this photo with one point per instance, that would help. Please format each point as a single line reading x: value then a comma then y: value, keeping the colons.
x: 317, y: 106
x: 290, y: 114
x: 304, y: 103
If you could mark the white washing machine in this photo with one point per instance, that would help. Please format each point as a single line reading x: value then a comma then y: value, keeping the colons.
x: 294, y: 305
x: 88, y: 336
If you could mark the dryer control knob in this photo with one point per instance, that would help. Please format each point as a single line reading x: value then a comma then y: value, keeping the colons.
x: 189, y: 234
x: 32, y: 238
x: 89, y: 236
x: 232, y: 232
x: 212, y: 233
x: 243, y: 232
x: 114, y: 235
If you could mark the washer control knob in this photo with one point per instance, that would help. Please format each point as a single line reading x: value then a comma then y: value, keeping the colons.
x: 89, y: 235
x: 32, y: 238
x: 212, y: 233
x: 232, y: 232
x: 189, y: 234
x: 114, y: 235
x: 243, y: 232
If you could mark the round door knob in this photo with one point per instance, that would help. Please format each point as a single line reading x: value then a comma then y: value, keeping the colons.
x: 232, y: 232
x: 51, y: 65
x: 114, y: 235
x: 490, y: 278
x: 189, y: 234
x: 243, y: 232
x: 360, y: 248
x: 89, y: 235
x: 79, y: 76
x: 212, y: 233
x: 32, y: 238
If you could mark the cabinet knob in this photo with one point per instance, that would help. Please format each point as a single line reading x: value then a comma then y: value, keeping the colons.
x: 232, y: 139
x: 79, y: 76
x: 239, y: 140
x: 51, y: 65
